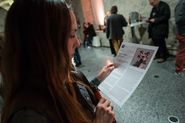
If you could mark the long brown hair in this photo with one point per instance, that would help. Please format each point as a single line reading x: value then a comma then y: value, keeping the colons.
x: 35, y: 55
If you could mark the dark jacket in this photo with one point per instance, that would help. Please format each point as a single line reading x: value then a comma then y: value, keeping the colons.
x: 180, y: 17
x: 115, y: 24
x: 161, y: 14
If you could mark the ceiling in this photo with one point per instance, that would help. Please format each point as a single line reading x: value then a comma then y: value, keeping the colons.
x: 5, y: 4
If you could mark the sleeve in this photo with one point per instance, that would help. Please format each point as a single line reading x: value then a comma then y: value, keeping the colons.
x: 28, y: 116
x: 124, y: 22
x: 95, y: 81
x: 180, y: 13
x: 164, y: 15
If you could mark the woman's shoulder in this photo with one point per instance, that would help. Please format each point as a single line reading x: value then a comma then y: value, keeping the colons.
x: 28, y: 116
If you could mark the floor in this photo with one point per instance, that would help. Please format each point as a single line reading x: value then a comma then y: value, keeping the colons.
x: 160, y: 94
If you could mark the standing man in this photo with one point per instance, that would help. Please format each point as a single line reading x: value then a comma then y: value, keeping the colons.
x: 105, y: 27
x: 159, y: 27
x: 114, y: 30
x: 180, y: 24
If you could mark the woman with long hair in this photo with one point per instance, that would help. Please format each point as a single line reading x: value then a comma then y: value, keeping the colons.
x: 38, y: 85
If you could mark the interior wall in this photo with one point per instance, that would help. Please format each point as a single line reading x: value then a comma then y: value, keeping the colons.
x: 98, y: 12
x: 87, y: 11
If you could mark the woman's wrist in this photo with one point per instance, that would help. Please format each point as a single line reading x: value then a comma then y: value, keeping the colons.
x: 96, y: 81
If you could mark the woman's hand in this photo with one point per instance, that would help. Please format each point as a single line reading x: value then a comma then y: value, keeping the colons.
x: 152, y: 20
x: 104, y: 112
x: 105, y: 71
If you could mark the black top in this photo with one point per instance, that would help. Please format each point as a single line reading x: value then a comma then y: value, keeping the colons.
x: 115, y: 24
x: 161, y: 14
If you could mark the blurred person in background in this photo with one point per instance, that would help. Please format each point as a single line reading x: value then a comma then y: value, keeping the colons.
x: 159, y: 27
x: 105, y: 27
x: 180, y: 25
x: 114, y: 28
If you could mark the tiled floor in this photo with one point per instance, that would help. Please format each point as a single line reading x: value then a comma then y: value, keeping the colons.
x: 160, y: 94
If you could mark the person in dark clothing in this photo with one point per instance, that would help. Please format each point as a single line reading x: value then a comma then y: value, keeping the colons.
x: 39, y: 82
x: 85, y: 33
x: 105, y: 27
x: 91, y: 33
x: 159, y: 27
x: 112, y: 48
x: 180, y: 25
x: 114, y: 30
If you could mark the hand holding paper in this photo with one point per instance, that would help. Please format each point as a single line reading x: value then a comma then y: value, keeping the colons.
x: 105, y: 71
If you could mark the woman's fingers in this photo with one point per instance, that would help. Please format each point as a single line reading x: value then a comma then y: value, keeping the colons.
x: 105, y: 105
x: 102, y: 100
x: 104, y: 111
x: 110, y: 65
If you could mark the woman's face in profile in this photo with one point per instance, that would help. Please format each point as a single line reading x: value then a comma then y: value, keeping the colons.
x: 73, y: 41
